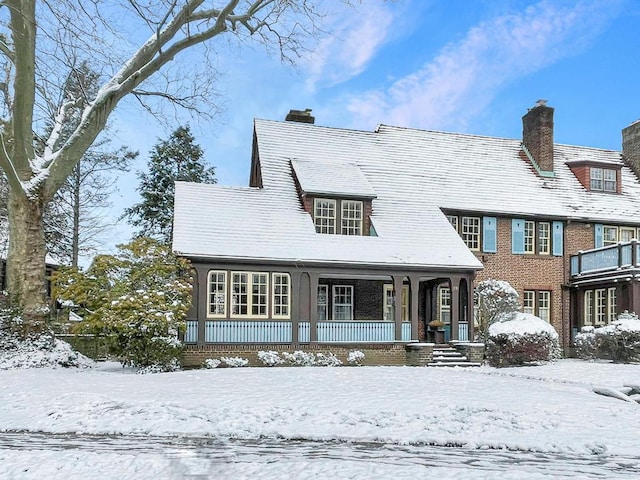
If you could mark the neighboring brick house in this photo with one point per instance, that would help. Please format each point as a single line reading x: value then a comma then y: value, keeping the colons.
x: 338, y: 227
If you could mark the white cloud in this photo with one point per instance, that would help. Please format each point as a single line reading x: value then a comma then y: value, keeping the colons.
x: 465, y: 76
x: 357, y: 34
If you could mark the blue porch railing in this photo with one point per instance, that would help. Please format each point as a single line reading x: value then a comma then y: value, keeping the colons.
x: 613, y: 257
x: 236, y: 331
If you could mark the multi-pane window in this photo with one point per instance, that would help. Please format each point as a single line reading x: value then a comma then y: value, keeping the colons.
x: 544, y: 238
x: 470, y: 232
x: 612, y: 234
x: 529, y: 237
x: 323, y: 302
x: 324, y: 215
x: 600, y: 306
x: 249, y: 294
x: 390, y: 302
x: 351, y: 216
x: 603, y: 179
x: 627, y: 234
x: 281, y: 295
x: 609, y: 235
x: 444, y: 304
x: 342, y: 302
x: 453, y: 220
x: 588, y: 307
x: 217, y: 294
x: 538, y: 303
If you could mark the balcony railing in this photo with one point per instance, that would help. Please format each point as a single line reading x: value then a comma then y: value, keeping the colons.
x: 612, y: 257
x: 235, y: 331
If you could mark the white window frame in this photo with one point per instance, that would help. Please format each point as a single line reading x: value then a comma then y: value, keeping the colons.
x: 529, y: 302
x: 444, y: 304
x: 251, y: 306
x: 626, y: 234
x: 544, y: 305
x: 351, y: 214
x: 323, y: 303
x: 281, y: 295
x: 325, y: 215
x: 220, y: 301
x: 595, y: 179
x: 389, y: 303
x: 529, y: 237
x: 342, y: 291
x: 600, y: 296
x: 609, y: 180
x: 588, y: 308
x: 544, y: 238
x: 453, y: 220
x: 470, y: 232
x: 612, y: 304
x: 609, y: 235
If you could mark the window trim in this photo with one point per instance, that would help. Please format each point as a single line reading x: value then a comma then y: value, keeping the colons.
x: 336, y: 304
x: 274, y: 295
x: 404, y: 303
x: 324, y: 304
x: 612, y: 304
x: 475, y: 233
x: 598, y: 181
x: 542, y: 240
x: 349, y: 225
x: 533, y: 301
x: 332, y: 221
x: 529, y: 237
x: 444, y: 295
x: 225, y: 292
x: 249, y: 294
x: 587, y: 319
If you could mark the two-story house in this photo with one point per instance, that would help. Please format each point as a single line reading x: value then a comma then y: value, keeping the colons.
x: 362, y: 238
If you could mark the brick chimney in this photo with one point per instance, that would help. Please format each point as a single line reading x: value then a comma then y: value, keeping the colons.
x: 302, y: 116
x: 631, y: 146
x: 537, y: 134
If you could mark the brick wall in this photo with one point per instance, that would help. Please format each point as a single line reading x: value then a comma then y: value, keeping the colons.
x: 375, y: 354
x: 538, y: 272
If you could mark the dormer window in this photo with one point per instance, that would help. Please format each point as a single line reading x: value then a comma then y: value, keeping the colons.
x: 350, y: 219
x: 603, y: 179
x: 324, y: 215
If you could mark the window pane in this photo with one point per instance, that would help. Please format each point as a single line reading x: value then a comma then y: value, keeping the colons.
x: 627, y: 234
x: 596, y: 178
x: 325, y: 215
x: 280, y: 295
x: 544, y: 238
x: 259, y: 294
x: 239, y: 297
x: 388, y: 310
x: 217, y: 293
x: 528, y: 302
x: 444, y: 305
x: 351, y: 217
x: 470, y: 232
x: 544, y: 305
x: 453, y: 220
x: 601, y: 306
x: 322, y: 302
x: 588, y: 307
x: 610, y: 235
x: 609, y: 180
x: 342, y: 302
x: 613, y: 303
x: 529, y: 237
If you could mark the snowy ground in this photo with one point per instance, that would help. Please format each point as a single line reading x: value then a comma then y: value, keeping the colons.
x: 370, y: 422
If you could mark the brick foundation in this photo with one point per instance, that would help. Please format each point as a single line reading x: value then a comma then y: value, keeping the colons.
x: 473, y: 351
x: 419, y: 354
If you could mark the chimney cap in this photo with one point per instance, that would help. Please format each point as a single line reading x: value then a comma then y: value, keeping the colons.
x: 541, y: 102
x: 302, y: 116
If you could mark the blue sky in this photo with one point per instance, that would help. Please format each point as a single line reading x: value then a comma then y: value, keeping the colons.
x: 457, y: 65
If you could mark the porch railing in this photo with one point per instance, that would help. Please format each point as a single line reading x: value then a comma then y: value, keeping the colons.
x: 234, y: 331
x: 621, y: 255
x: 463, y: 331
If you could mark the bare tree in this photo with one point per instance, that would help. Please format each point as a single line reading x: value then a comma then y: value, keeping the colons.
x: 42, y: 40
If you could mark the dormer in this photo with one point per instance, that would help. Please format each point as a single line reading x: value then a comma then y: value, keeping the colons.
x: 598, y: 176
x: 336, y: 194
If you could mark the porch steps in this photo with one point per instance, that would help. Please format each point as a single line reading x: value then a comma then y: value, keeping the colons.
x: 445, y: 356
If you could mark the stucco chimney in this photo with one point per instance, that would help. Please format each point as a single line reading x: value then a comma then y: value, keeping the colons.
x: 537, y: 134
x: 302, y: 116
x: 631, y: 146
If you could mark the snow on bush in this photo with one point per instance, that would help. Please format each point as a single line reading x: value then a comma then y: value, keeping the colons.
x: 620, y: 340
x: 270, y: 358
x: 585, y: 344
x: 494, y: 298
x: 328, y: 360
x: 299, y: 358
x: 521, y: 338
x: 211, y: 363
x: 355, y: 357
x: 235, y: 361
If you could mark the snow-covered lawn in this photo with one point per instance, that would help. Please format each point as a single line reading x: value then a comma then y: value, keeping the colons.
x: 549, y: 408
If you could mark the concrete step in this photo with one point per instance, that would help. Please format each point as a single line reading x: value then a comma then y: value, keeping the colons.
x: 454, y: 364
x: 457, y: 358
x: 447, y: 353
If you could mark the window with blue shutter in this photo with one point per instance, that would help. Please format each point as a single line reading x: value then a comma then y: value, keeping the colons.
x: 489, y: 235
x: 517, y: 235
x: 598, y: 235
x: 558, y: 239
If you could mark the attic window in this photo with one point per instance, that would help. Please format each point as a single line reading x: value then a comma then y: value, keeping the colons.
x: 603, y: 179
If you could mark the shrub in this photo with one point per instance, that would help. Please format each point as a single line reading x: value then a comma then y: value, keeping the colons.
x: 328, y: 360
x: 270, y: 358
x: 620, y: 341
x: 520, y: 339
x: 235, y: 361
x: 211, y: 363
x: 355, y: 357
x: 494, y: 298
x: 299, y: 358
x: 585, y: 344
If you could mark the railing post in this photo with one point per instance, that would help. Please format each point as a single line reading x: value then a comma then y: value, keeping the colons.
x: 619, y: 255
x: 634, y: 252
x: 579, y: 263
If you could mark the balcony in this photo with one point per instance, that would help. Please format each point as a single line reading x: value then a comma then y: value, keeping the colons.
x: 606, y: 259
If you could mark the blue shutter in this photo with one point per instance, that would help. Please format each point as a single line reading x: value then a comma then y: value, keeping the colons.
x: 517, y: 235
x: 489, y: 241
x: 558, y: 238
x: 598, y: 232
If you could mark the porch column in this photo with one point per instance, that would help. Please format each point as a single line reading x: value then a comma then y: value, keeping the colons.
x: 414, y: 288
x: 471, y: 317
x: 397, y: 305
x: 454, y: 282
x: 313, y: 307
x: 203, y: 294
x: 294, y: 299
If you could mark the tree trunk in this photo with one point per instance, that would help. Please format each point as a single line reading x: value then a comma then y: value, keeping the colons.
x: 75, y: 240
x: 26, y: 260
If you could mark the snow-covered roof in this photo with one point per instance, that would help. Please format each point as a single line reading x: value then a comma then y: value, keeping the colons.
x: 410, y: 174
